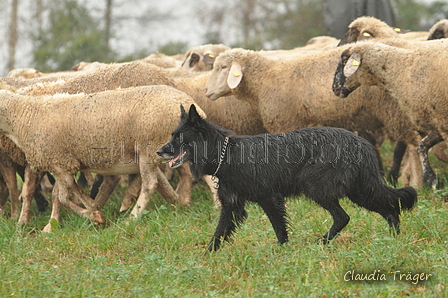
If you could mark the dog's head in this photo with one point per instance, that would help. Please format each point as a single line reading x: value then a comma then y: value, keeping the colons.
x: 184, y: 138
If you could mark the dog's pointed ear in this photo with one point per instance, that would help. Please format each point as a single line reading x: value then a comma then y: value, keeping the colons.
x: 193, y: 114
x: 183, y: 114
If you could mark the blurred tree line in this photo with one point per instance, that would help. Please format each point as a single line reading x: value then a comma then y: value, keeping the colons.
x: 65, y: 32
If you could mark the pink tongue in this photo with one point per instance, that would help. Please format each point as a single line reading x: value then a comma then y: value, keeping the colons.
x: 170, y: 163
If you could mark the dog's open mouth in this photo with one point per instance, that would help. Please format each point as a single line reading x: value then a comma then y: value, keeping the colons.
x: 177, y: 160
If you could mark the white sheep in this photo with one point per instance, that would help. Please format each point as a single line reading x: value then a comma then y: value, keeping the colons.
x: 163, y: 60
x: 413, y: 74
x: 439, y: 30
x: 366, y: 28
x: 201, y: 58
x: 314, y: 45
x: 110, y: 133
x: 13, y: 163
x: 295, y: 93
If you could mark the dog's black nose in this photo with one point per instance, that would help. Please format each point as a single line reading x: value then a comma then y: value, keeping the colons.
x: 160, y: 152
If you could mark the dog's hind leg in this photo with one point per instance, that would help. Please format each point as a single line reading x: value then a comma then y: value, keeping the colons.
x: 340, y: 218
x: 275, y: 210
x: 232, y: 216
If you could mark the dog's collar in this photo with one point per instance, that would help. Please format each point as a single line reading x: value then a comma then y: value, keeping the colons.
x: 215, y: 180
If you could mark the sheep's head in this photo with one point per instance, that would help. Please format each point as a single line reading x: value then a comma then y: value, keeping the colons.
x: 345, y: 80
x: 201, y: 58
x: 365, y: 28
x: 226, y: 75
x: 439, y: 30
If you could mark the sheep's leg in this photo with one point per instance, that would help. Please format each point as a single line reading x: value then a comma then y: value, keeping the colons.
x: 85, y: 179
x: 148, y: 172
x: 4, y: 192
x: 96, y: 185
x: 416, y: 168
x: 131, y: 193
x: 399, y: 151
x: 55, y: 209
x: 439, y: 152
x: 8, y: 169
x: 169, y: 173
x: 427, y: 142
x: 184, y: 186
x: 216, y: 201
x: 31, y: 180
x: 106, y: 189
x: 67, y: 185
x: 167, y: 191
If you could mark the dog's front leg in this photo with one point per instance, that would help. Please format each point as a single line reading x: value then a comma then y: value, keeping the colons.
x: 232, y: 216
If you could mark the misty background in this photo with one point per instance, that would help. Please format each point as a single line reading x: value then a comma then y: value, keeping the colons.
x: 52, y: 35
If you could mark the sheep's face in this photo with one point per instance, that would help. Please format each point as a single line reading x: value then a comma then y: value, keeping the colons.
x: 198, y: 61
x: 354, y: 35
x: 365, y: 28
x: 224, y: 77
x: 346, y: 79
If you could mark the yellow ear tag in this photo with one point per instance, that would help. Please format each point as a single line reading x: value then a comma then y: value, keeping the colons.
x: 366, y: 34
x: 211, y: 56
x: 355, y: 63
x: 397, y: 29
x: 236, y: 74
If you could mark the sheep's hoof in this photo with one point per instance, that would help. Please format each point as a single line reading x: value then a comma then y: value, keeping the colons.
x: 24, y: 219
x: 98, y: 217
x: 14, y: 216
x: 47, y: 228
x: 124, y: 207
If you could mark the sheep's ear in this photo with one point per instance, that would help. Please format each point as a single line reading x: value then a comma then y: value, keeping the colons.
x: 194, y: 59
x: 193, y: 114
x: 209, y: 58
x: 187, y: 55
x: 235, y: 75
x: 352, y: 65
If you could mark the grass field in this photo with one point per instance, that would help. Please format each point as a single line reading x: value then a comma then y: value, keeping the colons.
x: 163, y: 254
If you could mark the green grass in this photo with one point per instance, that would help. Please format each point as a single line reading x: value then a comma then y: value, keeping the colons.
x: 162, y: 255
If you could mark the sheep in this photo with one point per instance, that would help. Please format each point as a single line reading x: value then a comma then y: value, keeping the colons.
x: 109, y: 77
x: 314, y: 45
x: 116, y: 132
x: 365, y: 28
x: 413, y: 74
x: 369, y: 28
x: 439, y: 30
x: 414, y: 35
x: 88, y: 66
x: 24, y: 73
x: 13, y: 161
x: 322, y: 40
x: 201, y: 58
x: 164, y: 61
x: 295, y: 93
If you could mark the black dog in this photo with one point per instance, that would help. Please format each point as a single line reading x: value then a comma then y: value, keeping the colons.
x: 325, y: 164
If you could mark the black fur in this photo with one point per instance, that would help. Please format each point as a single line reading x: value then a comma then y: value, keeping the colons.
x: 324, y: 164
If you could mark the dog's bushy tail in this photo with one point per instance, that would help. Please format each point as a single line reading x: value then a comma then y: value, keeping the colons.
x: 380, y: 197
